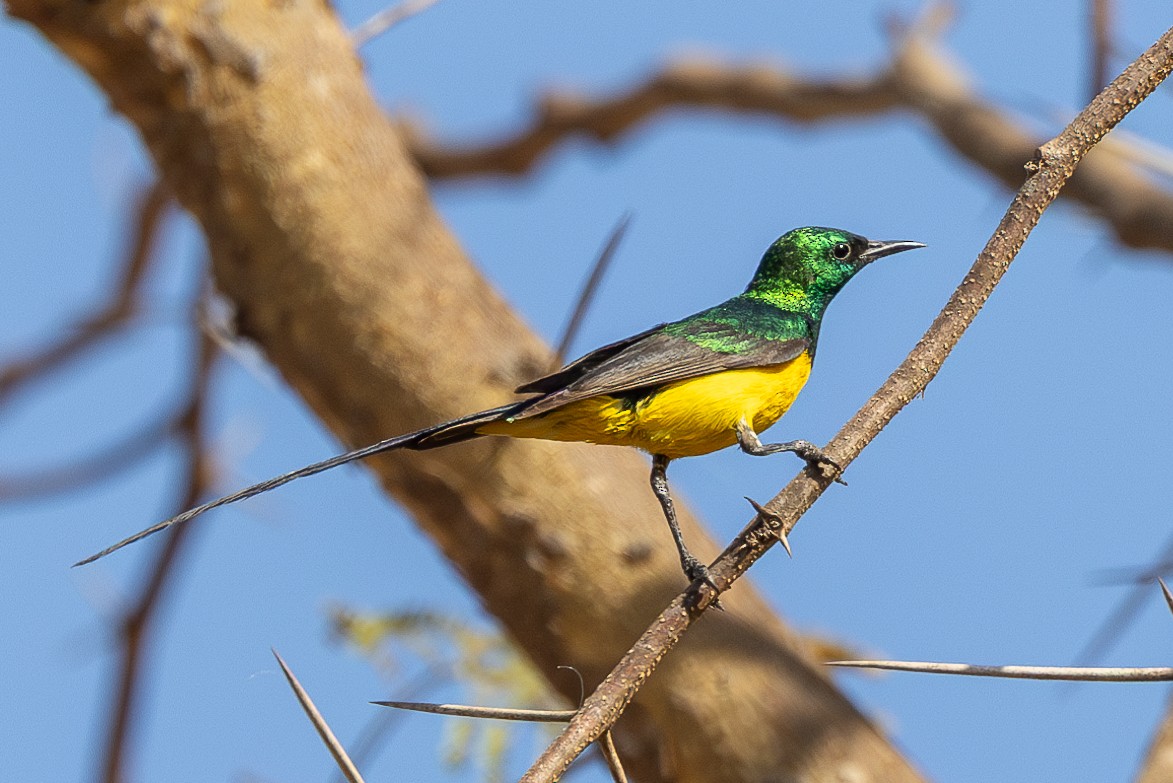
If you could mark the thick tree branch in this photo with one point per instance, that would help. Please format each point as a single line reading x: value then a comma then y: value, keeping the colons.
x: 1157, y: 766
x: 1054, y: 164
x: 321, y: 232
x: 920, y: 79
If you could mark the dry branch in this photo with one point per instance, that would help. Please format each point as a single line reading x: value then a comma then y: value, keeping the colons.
x: 321, y: 232
x: 920, y: 79
x: 184, y: 423
x: 113, y: 458
x: 117, y: 312
x: 136, y: 624
x: 1053, y: 164
x: 1100, y: 22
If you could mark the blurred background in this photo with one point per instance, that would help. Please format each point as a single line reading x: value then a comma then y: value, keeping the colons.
x: 998, y: 520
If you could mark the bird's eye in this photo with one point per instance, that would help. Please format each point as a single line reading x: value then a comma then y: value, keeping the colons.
x: 841, y: 251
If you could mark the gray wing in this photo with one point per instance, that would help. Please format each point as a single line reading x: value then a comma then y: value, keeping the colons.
x: 579, y: 367
x: 657, y: 357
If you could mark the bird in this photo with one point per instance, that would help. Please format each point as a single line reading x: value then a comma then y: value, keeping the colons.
x: 686, y: 388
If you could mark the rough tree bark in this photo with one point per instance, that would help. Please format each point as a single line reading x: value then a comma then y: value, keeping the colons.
x: 321, y: 231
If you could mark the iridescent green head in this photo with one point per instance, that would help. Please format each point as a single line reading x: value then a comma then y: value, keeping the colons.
x: 806, y: 267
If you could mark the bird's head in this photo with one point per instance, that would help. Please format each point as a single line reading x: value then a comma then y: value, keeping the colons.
x: 806, y: 267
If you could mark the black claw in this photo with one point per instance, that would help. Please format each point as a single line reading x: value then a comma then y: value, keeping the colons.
x: 819, y: 462
x: 696, y: 571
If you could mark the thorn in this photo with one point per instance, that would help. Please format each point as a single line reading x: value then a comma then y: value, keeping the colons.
x: 780, y: 532
x: 345, y: 765
x: 1168, y: 595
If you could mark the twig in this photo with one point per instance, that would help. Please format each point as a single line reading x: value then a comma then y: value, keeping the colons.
x: 1165, y: 592
x: 687, y: 83
x: 611, y: 756
x: 388, y: 18
x: 587, y: 295
x: 88, y: 330
x: 107, y: 461
x: 1126, y: 609
x: 1078, y: 673
x: 332, y: 744
x: 919, y: 79
x: 136, y: 624
x: 1101, y: 35
x: 1054, y: 163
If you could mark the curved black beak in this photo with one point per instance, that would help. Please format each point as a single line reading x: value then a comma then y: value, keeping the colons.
x: 878, y: 249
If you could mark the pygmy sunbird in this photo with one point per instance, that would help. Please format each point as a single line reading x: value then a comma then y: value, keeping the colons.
x: 679, y: 389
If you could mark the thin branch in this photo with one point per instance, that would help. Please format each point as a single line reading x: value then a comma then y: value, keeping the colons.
x: 136, y: 625
x: 611, y: 756
x: 332, y: 744
x: 685, y: 84
x: 107, y: 461
x: 1101, y: 35
x: 473, y: 711
x: 1077, y: 673
x: 105, y: 319
x: 587, y: 295
x: 1165, y: 592
x: 388, y: 18
x: 1052, y: 166
x: 920, y: 79
x: 1127, y: 609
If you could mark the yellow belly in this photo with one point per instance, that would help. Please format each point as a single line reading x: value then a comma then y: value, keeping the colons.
x: 682, y: 419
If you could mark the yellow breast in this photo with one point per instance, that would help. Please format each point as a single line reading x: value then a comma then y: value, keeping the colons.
x: 682, y: 419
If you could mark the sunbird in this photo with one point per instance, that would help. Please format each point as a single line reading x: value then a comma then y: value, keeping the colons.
x: 680, y: 389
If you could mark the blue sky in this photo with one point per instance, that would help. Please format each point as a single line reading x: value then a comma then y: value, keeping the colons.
x: 973, y: 529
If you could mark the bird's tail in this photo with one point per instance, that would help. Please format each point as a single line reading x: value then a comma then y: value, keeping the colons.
x: 454, y: 431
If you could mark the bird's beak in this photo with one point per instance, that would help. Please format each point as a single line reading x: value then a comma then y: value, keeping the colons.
x: 877, y: 249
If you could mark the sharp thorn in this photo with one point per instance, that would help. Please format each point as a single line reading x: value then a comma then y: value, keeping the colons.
x: 1168, y: 595
x: 780, y: 533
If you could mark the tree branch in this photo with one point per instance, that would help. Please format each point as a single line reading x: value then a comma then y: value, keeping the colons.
x: 1054, y: 164
x: 135, y: 626
x: 1100, y: 66
x: 920, y: 79
x: 105, y: 462
x: 88, y: 330
x: 321, y: 232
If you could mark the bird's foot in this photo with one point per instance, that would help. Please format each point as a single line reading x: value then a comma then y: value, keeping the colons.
x: 818, y: 461
x: 696, y: 571
x: 697, y: 574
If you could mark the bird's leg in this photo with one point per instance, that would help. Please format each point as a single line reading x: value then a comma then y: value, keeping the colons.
x: 693, y: 568
x: 750, y: 443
